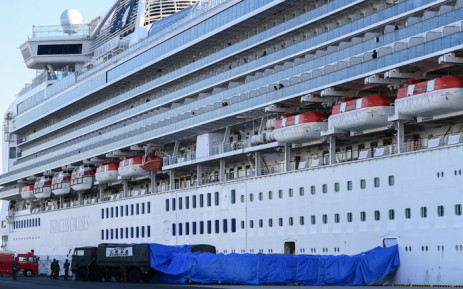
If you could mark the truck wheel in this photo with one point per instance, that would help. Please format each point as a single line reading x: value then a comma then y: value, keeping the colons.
x: 147, y: 277
x: 134, y: 275
x: 28, y: 273
x: 107, y: 274
x: 82, y: 274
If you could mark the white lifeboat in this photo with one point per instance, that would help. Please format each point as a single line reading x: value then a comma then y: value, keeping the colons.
x: 61, y: 183
x: 431, y: 98
x: 107, y: 173
x: 27, y: 192
x: 132, y: 168
x: 82, y: 178
x: 42, y: 187
x: 361, y: 114
x: 300, y: 128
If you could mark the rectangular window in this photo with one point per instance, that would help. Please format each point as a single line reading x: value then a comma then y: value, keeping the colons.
x: 102, y: 213
x: 122, y: 211
x: 143, y: 231
x: 121, y: 232
x: 349, y: 185
x: 242, y: 198
x: 242, y: 224
x: 126, y: 232
x: 225, y: 225
x: 291, y: 222
x: 180, y: 203
x: 261, y: 196
x: 290, y: 193
x: 377, y: 216
x: 142, y: 208
x: 391, y: 181
x: 280, y: 222
x: 209, y: 227
x: 107, y: 213
x: 187, y: 228
x: 301, y: 191
x: 201, y: 227
x: 233, y: 225
x: 148, y: 231
x: 325, y: 219
x: 194, y: 228
x: 209, y: 199
x: 201, y: 200
x: 149, y: 207
x: 363, y: 184
x: 194, y: 201
x: 325, y: 188
x: 233, y: 196
x: 270, y: 195
x: 217, y: 226
x: 312, y: 190
x: 424, y: 212
x: 301, y: 220
x: 458, y: 209
x: 117, y: 211
x: 126, y: 210
x: 131, y: 232
x: 270, y: 223
x: 440, y: 211
x: 363, y: 216
x: 408, y: 213
x: 216, y: 198
x: 116, y: 232
x: 138, y: 208
x: 180, y: 229
x: 173, y: 229
x: 376, y: 181
x: 261, y: 223
x: 173, y: 204
x: 336, y: 187
x: 251, y: 197
x: 102, y: 234
x: 112, y: 234
x: 280, y: 194
x: 187, y: 202
x: 391, y: 214
x: 312, y: 219
x: 251, y: 224
x: 137, y: 231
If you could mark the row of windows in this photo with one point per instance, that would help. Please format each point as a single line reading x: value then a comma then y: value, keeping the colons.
x: 313, y: 189
x: 29, y: 223
x: 184, y: 228
x: 130, y: 233
x: 130, y: 210
x: 194, y: 202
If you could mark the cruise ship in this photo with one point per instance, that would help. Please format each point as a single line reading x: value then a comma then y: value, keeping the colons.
x: 323, y: 127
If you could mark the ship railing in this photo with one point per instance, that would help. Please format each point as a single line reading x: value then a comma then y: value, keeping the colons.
x: 417, y: 143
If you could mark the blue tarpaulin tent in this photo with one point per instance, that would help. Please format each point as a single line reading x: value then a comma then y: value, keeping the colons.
x: 177, y: 264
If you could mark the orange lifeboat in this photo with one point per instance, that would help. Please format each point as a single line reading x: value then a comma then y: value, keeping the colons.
x: 151, y: 163
x: 131, y: 168
x: 82, y: 178
x: 300, y: 128
x: 27, y: 192
x: 42, y: 187
x: 107, y: 173
x: 61, y: 183
x: 361, y: 114
x: 432, y: 97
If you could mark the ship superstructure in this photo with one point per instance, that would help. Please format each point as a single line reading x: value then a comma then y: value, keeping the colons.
x: 306, y: 127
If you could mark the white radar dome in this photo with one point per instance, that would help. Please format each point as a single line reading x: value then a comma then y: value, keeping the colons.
x: 71, y: 20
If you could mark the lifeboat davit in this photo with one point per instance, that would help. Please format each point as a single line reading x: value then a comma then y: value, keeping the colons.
x: 361, y: 114
x: 131, y: 168
x: 300, y: 128
x: 151, y: 163
x: 61, y: 183
x: 82, y: 178
x: 27, y: 192
x: 431, y: 98
x: 107, y: 173
x: 42, y: 187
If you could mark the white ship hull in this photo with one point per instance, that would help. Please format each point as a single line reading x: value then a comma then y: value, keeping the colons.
x: 300, y: 132
x: 361, y: 119
x: 431, y: 103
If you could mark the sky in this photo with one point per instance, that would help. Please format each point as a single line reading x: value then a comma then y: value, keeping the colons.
x: 16, y: 21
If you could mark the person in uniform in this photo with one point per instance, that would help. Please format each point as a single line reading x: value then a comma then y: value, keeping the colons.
x: 15, y: 267
x: 66, y: 269
x: 56, y: 272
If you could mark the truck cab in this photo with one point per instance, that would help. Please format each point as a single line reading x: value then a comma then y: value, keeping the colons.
x: 83, y: 259
x: 27, y: 263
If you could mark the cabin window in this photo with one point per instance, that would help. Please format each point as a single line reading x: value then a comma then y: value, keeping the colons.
x: 107, y: 213
x: 391, y: 181
x: 127, y: 232
x: 336, y: 187
x: 209, y: 227
x: 301, y: 220
x: 261, y: 223
x: 233, y: 225
x: 173, y: 205
x: 440, y: 211
x: 408, y: 213
x: 458, y: 209
x: 270, y: 223
x: 194, y: 228
x: 201, y: 227
x: 325, y: 188
x: 180, y: 229
x: 424, y: 212
x: 325, y: 219
x: 251, y: 224
x: 187, y: 228
x: 377, y: 215
x: 280, y: 222
x: 216, y: 198
x: 131, y: 232
x: 261, y: 196
x: 201, y: 200
x: 121, y: 232
x: 137, y: 209
x: 194, y: 201
x: 290, y: 193
x: 363, y: 184
x: 290, y: 221
x: 102, y: 213
x: 180, y: 203
x: 312, y: 190
x: 187, y: 202
x: 102, y: 234
x: 122, y: 211
x: 137, y: 231
x: 242, y: 224
x: 391, y: 214
x: 280, y: 194
x: 349, y: 185
x: 142, y: 232
x: 270, y: 195
x: 313, y: 219
x: 423, y: 89
x: 251, y: 197
x: 301, y: 191
x: 209, y: 199
x: 117, y: 211
x: 376, y: 181
x: 336, y: 218
x: 148, y: 231
x: 242, y: 198
x: 233, y: 196
x: 363, y: 216
x: 416, y: 90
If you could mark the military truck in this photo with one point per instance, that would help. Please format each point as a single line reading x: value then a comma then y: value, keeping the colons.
x: 108, y: 260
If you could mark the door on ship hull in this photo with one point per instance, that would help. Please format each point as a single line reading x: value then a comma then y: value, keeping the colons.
x: 290, y: 248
